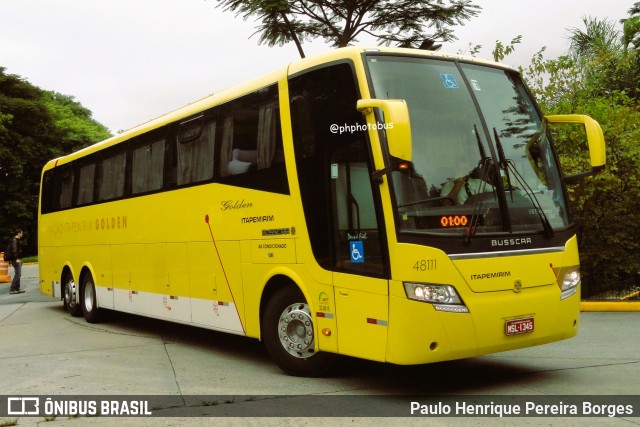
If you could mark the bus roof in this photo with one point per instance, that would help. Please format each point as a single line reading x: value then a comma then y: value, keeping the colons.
x: 236, y: 91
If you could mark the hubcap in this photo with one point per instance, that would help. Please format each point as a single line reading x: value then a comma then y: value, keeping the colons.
x: 88, y: 296
x: 69, y: 294
x: 295, y: 329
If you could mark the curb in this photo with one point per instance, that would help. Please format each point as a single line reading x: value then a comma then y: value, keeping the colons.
x: 609, y: 306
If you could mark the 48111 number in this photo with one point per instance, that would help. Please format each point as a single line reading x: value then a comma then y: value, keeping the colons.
x: 425, y: 265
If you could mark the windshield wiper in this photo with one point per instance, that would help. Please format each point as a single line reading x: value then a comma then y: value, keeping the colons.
x: 503, y: 161
x: 485, y: 163
x: 483, y: 154
x: 508, y: 166
x: 470, y: 231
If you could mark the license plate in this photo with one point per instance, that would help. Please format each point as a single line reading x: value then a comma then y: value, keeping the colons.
x: 518, y: 326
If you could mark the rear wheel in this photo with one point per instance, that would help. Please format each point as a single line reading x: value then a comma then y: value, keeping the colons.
x: 289, y: 335
x: 90, y: 310
x: 69, y: 290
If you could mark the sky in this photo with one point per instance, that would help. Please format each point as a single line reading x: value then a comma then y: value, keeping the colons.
x: 129, y: 61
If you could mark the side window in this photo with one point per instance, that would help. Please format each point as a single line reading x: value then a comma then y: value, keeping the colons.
x: 49, y: 192
x: 112, y: 176
x: 86, y: 182
x: 147, y: 167
x: 251, y: 153
x: 195, y: 150
x: 66, y: 190
x: 238, y: 143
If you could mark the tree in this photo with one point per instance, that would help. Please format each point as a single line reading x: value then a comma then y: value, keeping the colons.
x: 340, y: 23
x: 73, y: 121
x: 599, y: 78
x: 600, y: 53
x: 599, y: 36
x: 631, y: 27
x: 35, y: 126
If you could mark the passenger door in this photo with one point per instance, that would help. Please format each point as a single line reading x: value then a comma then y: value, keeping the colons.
x: 361, y: 298
x: 341, y: 204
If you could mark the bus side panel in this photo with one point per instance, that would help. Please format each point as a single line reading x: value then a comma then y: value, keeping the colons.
x: 50, y: 276
x: 253, y: 277
x: 216, y: 288
x: 100, y: 265
x: 164, y: 291
x: 129, y: 269
x: 204, y: 282
x: 362, y: 304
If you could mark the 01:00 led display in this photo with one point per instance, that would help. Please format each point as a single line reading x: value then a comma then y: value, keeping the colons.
x: 453, y: 221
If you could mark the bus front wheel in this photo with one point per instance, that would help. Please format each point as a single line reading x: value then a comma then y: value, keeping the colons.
x: 88, y: 300
x: 289, y: 337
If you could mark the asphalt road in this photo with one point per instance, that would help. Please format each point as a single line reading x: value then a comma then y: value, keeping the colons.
x: 46, y: 352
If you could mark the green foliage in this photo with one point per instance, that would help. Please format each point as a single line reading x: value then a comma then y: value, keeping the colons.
x: 631, y: 28
x: 339, y: 23
x: 607, y: 208
x: 598, y: 36
x: 35, y: 126
x: 73, y: 121
x: 554, y: 82
x: 500, y: 51
x: 600, y: 79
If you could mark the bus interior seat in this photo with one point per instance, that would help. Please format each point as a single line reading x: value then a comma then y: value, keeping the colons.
x: 242, y: 160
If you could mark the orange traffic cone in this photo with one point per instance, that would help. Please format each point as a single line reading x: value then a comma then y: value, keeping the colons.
x: 4, y: 270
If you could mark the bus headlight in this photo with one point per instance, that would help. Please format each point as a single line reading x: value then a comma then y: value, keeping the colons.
x: 570, y: 282
x: 443, y: 297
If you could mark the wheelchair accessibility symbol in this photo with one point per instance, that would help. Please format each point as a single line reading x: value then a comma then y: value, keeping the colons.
x: 449, y: 81
x: 357, y: 251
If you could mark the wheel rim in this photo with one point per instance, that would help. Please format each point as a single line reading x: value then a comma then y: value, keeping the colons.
x: 295, y: 330
x: 69, y: 294
x: 89, y: 296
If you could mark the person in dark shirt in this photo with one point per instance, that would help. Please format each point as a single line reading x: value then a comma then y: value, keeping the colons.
x: 14, y: 256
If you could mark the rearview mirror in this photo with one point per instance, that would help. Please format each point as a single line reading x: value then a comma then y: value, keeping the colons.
x: 595, y: 139
x: 397, y: 125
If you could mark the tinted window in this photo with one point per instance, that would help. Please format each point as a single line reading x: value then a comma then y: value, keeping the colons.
x: 238, y: 143
x: 66, y: 190
x: 112, y: 177
x: 147, y: 167
x: 195, y: 149
x: 48, y: 192
x: 86, y: 184
x: 251, y: 152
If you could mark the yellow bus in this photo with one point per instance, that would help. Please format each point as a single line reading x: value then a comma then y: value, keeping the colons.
x: 396, y: 205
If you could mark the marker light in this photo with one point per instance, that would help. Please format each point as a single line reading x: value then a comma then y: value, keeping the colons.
x: 444, y: 297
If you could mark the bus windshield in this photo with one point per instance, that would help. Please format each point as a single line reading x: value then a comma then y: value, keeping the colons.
x: 481, y: 153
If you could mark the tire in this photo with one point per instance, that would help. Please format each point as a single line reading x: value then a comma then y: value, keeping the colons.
x: 69, y: 290
x: 89, y: 300
x: 288, y: 335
